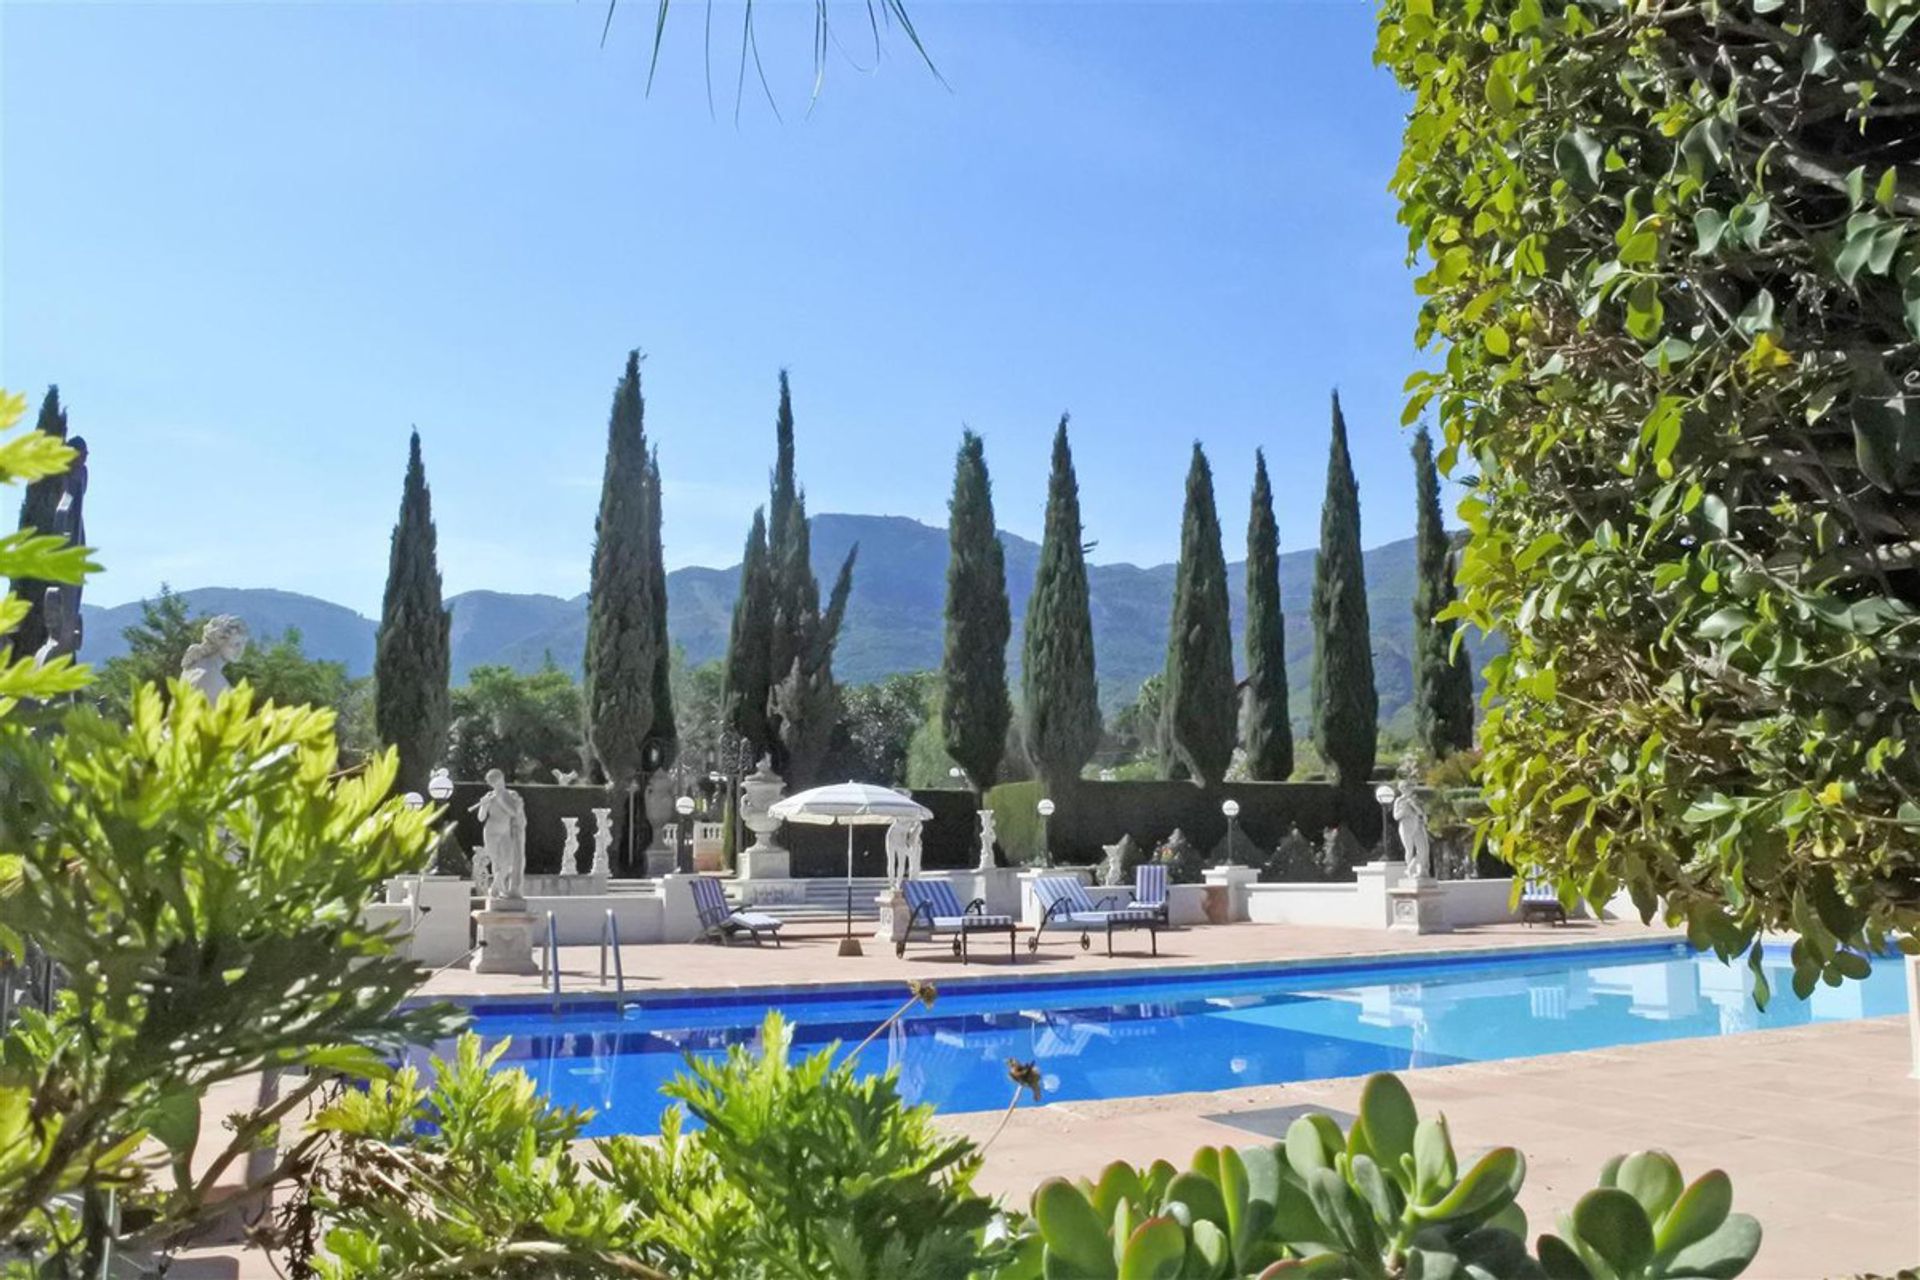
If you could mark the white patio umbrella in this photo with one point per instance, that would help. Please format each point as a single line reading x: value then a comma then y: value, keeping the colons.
x: 851, y: 804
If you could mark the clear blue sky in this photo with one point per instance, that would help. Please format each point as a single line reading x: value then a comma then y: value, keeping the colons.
x: 255, y: 243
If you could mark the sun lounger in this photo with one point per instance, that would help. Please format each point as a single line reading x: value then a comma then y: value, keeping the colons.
x: 719, y: 921
x: 936, y: 909
x: 1064, y: 904
x: 1541, y: 901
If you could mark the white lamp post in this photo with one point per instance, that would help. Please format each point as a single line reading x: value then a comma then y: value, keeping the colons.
x: 440, y: 786
x: 683, y: 836
x: 1046, y: 852
x: 1232, y: 809
x: 1384, y: 794
x: 414, y: 800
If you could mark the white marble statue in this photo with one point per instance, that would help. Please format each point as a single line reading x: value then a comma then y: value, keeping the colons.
x: 1411, y: 819
x: 903, y: 850
x: 570, y: 848
x: 204, y: 665
x: 602, y: 843
x: 987, y: 838
x: 503, y: 827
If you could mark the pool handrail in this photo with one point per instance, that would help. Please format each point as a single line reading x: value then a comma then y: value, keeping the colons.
x: 610, y: 933
x: 553, y: 953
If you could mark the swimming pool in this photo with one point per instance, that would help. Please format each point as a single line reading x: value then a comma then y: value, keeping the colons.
x: 1128, y: 1035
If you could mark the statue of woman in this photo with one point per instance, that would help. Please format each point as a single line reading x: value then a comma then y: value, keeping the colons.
x: 503, y: 831
x: 1411, y: 820
x: 204, y: 665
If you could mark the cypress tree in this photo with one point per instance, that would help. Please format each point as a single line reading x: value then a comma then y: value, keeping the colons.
x: 663, y: 743
x: 1267, y: 731
x: 412, y: 660
x: 1442, y: 680
x: 748, y: 683
x: 622, y: 632
x: 1062, y: 701
x: 38, y: 510
x: 806, y: 701
x: 1197, y: 712
x: 795, y: 592
x: 1346, y: 707
x: 975, y: 710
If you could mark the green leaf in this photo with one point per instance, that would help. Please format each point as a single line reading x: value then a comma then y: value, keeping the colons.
x: 1722, y: 623
x: 1157, y: 1250
x: 175, y: 1120
x: 1721, y: 1256
x: 1614, y: 1226
x: 1388, y: 1116
x: 1652, y: 1178
x: 1073, y: 1231
x: 1577, y: 156
x: 1708, y: 226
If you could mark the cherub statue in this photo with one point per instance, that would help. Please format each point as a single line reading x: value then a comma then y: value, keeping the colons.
x: 203, y: 666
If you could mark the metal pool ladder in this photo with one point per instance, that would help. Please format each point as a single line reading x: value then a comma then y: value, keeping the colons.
x: 610, y: 936
x: 553, y: 954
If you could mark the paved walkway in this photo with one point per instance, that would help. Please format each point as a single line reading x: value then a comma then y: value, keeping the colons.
x: 1818, y: 1126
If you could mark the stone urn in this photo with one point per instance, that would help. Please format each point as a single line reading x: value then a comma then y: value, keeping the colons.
x: 656, y: 801
x: 764, y: 859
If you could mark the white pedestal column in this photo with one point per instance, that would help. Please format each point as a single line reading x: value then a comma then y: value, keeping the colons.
x: 1236, y: 878
x: 1416, y: 906
x: 506, y: 937
x: 894, y: 917
x: 679, y: 918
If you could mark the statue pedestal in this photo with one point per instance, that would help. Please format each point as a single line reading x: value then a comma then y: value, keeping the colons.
x: 1415, y: 906
x: 659, y: 862
x: 765, y: 861
x: 506, y: 931
x: 894, y: 917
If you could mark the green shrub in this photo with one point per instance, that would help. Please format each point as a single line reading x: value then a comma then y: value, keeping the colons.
x: 800, y: 1169
x: 196, y: 879
x: 1672, y: 274
x: 1384, y: 1199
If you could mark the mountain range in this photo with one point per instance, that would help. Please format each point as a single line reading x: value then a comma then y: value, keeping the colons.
x: 894, y: 619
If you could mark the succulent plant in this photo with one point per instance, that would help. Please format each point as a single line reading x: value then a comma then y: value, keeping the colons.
x: 1645, y: 1222
x: 1384, y: 1200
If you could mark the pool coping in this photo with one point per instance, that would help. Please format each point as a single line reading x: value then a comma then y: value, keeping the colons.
x: 749, y: 994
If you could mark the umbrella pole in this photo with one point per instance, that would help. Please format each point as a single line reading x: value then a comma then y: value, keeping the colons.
x: 850, y: 945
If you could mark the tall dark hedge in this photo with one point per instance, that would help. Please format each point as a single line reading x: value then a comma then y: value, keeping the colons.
x: 1197, y: 707
x: 622, y: 631
x: 1346, y: 707
x: 1442, y: 678
x: 412, y: 655
x: 1061, y: 702
x: 1266, y: 729
x: 976, y: 708
x: 748, y: 676
x: 37, y: 508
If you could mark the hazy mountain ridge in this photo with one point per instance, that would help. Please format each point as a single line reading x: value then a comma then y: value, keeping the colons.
x: 894, y: 620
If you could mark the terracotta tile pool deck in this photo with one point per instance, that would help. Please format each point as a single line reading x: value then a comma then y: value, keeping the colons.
x: 1818, y: 1126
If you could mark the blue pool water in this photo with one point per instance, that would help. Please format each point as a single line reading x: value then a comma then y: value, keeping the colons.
x: 1128, y: 1036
